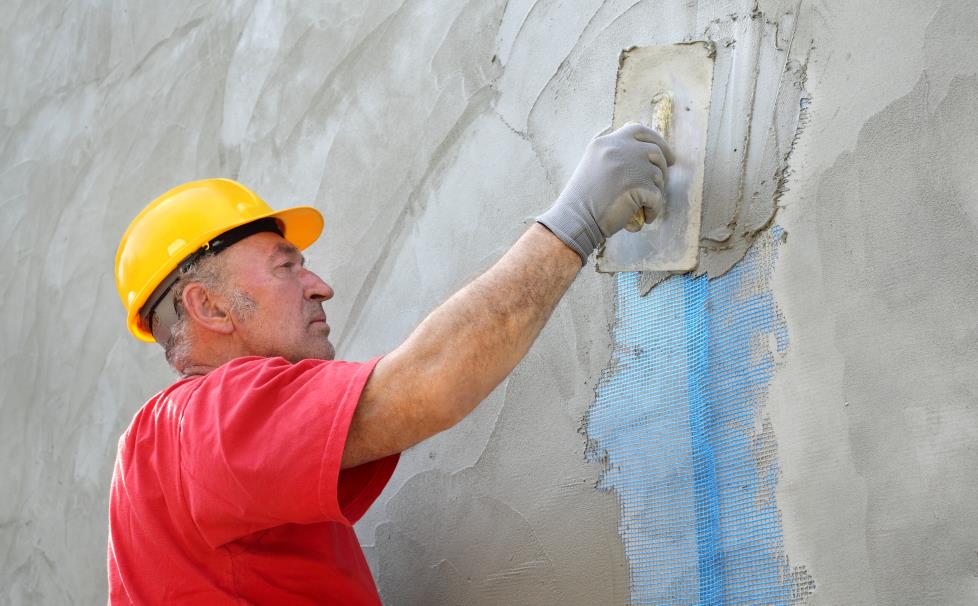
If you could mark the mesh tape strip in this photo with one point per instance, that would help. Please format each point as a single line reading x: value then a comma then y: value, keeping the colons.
x: 678, y: 419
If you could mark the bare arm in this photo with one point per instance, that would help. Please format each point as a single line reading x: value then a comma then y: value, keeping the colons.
x: 472, y: 341
x: 463, y: 350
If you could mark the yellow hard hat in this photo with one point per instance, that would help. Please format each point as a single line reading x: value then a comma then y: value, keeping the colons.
x: 185, y: 220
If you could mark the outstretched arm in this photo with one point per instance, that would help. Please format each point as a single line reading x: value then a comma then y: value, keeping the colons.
x: 468, y: 345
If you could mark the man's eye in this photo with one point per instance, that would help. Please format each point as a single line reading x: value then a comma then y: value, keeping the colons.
x: 288, y: 264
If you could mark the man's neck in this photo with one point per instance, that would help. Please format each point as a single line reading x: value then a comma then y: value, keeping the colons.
x: 195, y: 370
x: 209, y: 355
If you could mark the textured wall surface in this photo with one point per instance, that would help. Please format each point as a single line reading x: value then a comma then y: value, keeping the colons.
x: 430, y: 134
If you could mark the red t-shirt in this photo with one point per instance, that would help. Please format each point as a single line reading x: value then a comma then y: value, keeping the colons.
x: 227, y: 490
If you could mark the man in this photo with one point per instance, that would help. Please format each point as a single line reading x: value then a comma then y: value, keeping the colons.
x: 240, y: 483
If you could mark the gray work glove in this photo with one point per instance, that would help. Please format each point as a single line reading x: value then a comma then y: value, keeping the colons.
x: 620, y: 172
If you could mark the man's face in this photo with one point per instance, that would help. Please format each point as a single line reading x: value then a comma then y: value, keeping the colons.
x: 288, y: 319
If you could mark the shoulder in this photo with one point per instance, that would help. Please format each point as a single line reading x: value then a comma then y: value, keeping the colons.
x: 165, y: 408
x: 266, y: 381
x: 258, y: 372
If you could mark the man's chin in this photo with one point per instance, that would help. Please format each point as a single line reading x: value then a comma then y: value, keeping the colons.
x: 324, y: 351
x: 319, y: 352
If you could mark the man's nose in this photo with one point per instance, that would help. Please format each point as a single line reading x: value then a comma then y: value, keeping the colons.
x: 316, y: 288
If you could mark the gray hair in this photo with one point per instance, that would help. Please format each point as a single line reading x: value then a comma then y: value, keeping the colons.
x: 211, y: 272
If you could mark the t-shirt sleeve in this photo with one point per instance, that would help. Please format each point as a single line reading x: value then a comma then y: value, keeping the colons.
x: 261, y: 442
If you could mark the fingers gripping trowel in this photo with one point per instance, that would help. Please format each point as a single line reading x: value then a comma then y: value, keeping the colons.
x: 668, y: 89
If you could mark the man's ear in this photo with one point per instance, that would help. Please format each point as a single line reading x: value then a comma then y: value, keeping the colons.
x: 207, y: 309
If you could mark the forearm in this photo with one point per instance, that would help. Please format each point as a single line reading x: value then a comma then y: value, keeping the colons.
x: 471, y: 343
x: 463, y: 349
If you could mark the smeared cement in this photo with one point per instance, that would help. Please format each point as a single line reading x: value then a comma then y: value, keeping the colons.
x: 756, y: 112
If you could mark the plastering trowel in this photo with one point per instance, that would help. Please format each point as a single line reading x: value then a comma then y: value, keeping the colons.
x: 667, y: 88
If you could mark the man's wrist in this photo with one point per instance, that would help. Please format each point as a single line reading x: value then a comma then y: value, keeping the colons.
x: 569, y: 242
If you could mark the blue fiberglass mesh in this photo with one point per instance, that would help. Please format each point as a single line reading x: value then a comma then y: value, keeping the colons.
x: 678, y: 420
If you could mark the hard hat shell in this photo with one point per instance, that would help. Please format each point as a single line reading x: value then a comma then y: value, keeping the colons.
x: 183, y: 220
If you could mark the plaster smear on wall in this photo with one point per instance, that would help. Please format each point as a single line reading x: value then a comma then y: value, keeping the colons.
x: 756, y: 113
x: 757, y: 108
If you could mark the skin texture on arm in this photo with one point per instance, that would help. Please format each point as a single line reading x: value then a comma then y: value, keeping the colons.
x: 462, y: 350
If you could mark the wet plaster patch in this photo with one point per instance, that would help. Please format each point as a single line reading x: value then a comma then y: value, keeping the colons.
x: 756, y: 115
x: 897, y: 228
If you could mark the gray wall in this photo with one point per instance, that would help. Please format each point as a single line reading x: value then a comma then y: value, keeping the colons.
x: 430, y: 133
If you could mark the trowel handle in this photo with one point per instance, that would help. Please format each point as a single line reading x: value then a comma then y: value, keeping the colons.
x: 660, y: 120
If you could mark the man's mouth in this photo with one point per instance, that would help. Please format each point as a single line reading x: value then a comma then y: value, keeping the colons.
x: 319, y: 319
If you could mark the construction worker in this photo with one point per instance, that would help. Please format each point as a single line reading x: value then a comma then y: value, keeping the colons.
x: 240, y: 483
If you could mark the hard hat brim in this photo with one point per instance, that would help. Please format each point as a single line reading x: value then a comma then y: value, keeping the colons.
x: 301, y: 225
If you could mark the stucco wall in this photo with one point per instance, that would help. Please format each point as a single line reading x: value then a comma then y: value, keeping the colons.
x: 430, y: 133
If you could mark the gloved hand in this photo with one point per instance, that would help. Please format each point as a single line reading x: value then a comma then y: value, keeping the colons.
x: 620, y: 172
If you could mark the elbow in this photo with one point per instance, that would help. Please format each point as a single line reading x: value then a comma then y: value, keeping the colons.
x: 450, y: 413
x: 447, y: 410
